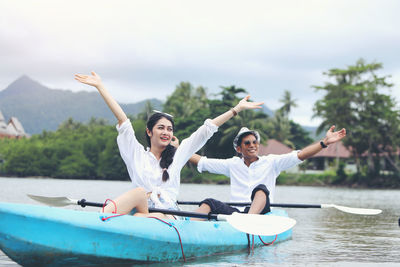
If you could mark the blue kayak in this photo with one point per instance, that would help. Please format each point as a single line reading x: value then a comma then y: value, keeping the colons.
x: 33, y: 235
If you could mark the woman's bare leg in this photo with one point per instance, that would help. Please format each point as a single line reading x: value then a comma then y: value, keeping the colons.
x: 135, y: 198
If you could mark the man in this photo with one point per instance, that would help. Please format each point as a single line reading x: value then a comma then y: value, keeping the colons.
x: 253, y: 177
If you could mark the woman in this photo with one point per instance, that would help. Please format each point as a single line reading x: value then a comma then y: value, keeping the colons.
x: 155, y: 172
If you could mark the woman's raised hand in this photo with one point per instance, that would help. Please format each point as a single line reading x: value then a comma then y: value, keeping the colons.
x: 93, y: 80
x: 244, y: 104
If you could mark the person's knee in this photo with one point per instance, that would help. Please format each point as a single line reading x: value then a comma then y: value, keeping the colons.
x: 204, y: 205
x: 139, y: 192
x: 207, y: 202
x: 260, y: 189
x: 260, y: 197
x: 261, y: 194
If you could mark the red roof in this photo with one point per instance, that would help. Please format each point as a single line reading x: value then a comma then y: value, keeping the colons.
x: 334, y: 151
x: 274, y: 147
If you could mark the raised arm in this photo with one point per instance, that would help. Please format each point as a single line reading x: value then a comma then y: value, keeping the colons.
x: 330, y: 138
x: 95, y: 81
x: 242, y: 105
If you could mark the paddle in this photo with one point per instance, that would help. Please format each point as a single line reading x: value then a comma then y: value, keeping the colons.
x: 359, y: 211
x: 254, y: 224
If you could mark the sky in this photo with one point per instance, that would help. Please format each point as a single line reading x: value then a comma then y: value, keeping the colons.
x: 144, y: 49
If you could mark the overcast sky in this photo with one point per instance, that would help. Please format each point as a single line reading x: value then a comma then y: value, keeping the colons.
x: 143, y: 49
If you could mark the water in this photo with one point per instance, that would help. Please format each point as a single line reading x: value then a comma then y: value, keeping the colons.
x: 325, y: 237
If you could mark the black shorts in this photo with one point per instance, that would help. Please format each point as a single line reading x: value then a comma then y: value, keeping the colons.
x: 218, y: 207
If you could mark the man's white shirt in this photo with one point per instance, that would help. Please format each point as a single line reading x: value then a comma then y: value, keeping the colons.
x: 244, y: 179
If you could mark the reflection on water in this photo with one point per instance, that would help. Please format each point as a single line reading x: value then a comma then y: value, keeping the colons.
x: 320, y: 237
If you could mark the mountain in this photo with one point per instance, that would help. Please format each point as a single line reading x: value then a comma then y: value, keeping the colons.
x: 267, y: 111
x: 313, y: 132
x: 39, y: 108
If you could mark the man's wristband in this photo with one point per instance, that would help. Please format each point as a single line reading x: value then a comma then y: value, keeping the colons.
x: 323, y: 144
x: 234, y: 112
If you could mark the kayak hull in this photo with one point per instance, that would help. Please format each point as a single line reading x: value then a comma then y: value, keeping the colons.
x: 33, y: 235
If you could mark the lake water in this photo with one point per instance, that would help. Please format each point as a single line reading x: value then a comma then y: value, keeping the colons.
x: 324, y: 237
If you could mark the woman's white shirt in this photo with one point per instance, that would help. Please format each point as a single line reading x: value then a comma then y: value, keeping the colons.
x: 144, y: 169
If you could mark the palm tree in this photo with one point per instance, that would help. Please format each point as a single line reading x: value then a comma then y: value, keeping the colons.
x: 280, y: 128
x: 288, y: 103
x: 186, y: 100
x: 229, y: 93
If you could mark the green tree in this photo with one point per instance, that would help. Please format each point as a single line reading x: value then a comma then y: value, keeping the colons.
x: 186, y: 100
x: 353, y: 100
x: 299, y: 137
x: 75, y: 150
x: 111, y: 165
x: 70, y: 124
x: 75, y: 166
x: 288, y: 103
x: 280, y: 128
x: 285, y: 130
x: 229, y: 95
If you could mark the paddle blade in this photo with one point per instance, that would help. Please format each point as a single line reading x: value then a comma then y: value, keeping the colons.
x: 256, y: 224
x: 358, y: 210
x: 54, y: 201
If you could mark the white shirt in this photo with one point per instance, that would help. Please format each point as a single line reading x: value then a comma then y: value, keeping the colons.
x: 144, y: 169
x: 244, y: 179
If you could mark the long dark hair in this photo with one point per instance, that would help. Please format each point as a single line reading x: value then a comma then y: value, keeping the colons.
x: 167, y: 156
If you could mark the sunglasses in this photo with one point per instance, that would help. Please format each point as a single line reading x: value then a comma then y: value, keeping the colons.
x: 247, y: 143
x: 156, y: 111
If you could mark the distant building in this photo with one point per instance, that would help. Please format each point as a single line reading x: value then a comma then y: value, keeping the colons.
x: 12, y: 129
x: 329, y: 156
x: 274, y: 147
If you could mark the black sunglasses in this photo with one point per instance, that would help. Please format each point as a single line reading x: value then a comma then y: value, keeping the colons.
x: 247, y: 143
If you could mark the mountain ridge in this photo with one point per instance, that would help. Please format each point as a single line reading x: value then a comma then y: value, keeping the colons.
x: 40, y: 108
